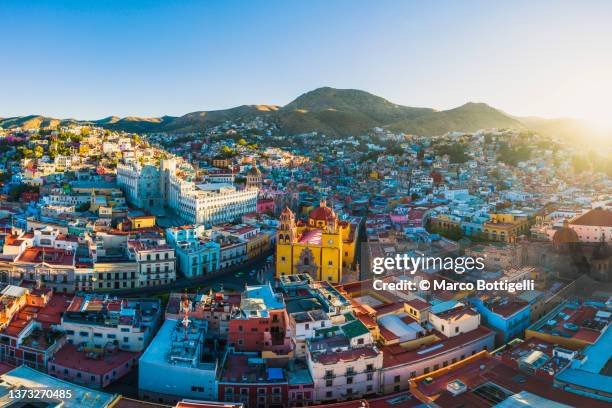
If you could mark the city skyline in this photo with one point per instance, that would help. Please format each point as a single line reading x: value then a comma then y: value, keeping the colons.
x: 88, y: 61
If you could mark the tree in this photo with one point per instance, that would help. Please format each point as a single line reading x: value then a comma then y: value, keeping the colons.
x: 16, y: 191
x: 580, y: 163
x: 514, y: 155
x: 227, y: 152
x: 38, y: 152
x: 455, y: 151
x: 83, y: 207
x: 25, y: 153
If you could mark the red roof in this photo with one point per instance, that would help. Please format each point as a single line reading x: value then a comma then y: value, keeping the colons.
x: 322, y: 214
x: 594, y: 218
x: 52, y: 256
x: 397, y: 355
x: 51, y: 313
x: 312, y: 237
x: 69, y: 356
x: 418, y: 304
x: 485, y: 369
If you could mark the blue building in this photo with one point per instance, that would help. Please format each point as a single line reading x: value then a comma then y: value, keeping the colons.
x: 588, y: 375
x: 196, y: 253
x: 507, y: 315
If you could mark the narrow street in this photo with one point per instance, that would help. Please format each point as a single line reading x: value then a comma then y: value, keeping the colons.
x: 234, y: 278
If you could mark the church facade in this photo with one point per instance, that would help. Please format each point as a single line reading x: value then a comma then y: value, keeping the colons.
x: 323, y: 247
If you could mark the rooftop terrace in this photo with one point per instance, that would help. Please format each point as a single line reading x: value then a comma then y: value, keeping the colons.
x: 584, y: 321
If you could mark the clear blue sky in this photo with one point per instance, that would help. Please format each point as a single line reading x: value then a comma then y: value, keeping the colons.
x: 90, y: 59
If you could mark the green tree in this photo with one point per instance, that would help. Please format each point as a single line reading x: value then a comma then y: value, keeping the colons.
x: 38, y: 152
x: 455, y: 151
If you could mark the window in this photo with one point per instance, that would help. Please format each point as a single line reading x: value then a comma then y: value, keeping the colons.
x: 370, y: 377
x: 329, y: 383
x: 328, y: 394
x: 457, y: 329
x: 396, y: 379
x: 197, y: 389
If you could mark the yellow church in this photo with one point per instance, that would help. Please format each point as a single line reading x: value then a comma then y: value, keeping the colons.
x: 322, y: 247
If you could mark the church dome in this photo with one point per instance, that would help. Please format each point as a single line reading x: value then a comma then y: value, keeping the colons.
x: 322, y: 213
x: 564, y: 237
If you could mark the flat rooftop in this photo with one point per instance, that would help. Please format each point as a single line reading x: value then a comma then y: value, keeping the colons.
x: 594, y: 372
x: 27, y: 378
x: 52, y: 256
x: 397, y: 355
x: 69, y: 356
x: 250, y: 368
x: 575, y: 320
x: 488, y: 382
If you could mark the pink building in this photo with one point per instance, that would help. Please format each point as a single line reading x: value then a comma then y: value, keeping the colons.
x: 265, y: 205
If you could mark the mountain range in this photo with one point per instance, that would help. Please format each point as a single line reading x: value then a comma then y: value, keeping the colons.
x: 331, y: 111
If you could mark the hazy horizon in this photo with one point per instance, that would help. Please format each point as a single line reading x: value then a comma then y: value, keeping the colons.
x: 148, y: 59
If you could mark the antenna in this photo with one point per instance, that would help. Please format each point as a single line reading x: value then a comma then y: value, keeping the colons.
x: 186, y: 320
